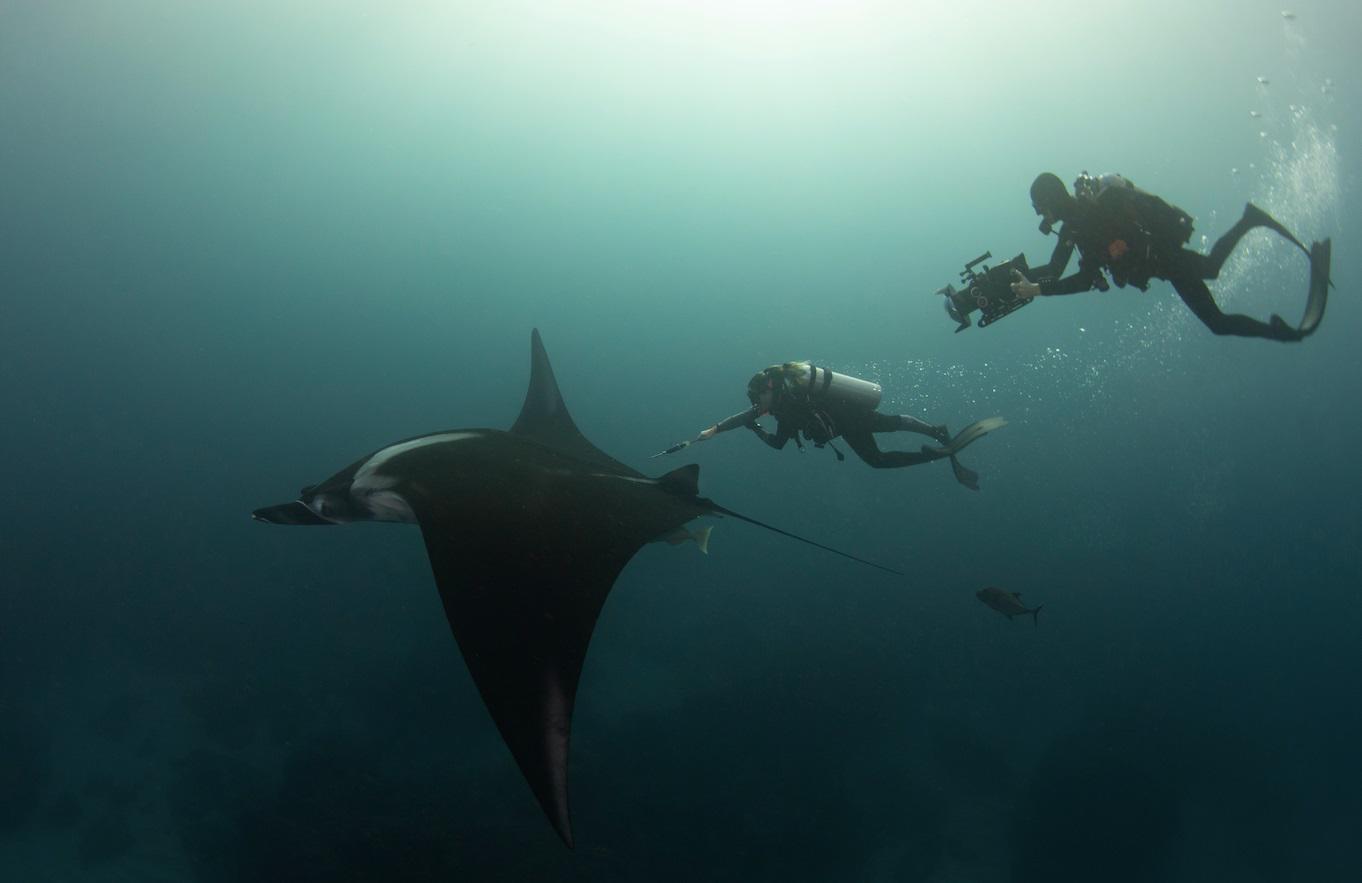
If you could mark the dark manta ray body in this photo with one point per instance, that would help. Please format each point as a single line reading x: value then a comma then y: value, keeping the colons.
x: 526, y: 531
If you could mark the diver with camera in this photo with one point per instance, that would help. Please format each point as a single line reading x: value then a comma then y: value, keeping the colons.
x: 823, y: 405
x: 1133, y: 236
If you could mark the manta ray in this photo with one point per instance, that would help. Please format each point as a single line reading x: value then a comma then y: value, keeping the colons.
x: 527, y: 531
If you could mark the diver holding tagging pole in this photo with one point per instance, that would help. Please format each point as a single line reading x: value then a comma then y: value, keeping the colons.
x: 1135, y: 236
x: 824, y: 405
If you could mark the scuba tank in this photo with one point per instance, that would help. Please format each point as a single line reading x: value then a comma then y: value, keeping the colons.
x: 812, y: 393
x: 824, y: 388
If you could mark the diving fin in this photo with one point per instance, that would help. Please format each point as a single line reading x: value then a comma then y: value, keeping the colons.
x: 1282, y: 330
x: 974, y: 432
x: 965, y: 475
x: 1321, y: 255
x: 1256, y: 217
x: 967, y: 436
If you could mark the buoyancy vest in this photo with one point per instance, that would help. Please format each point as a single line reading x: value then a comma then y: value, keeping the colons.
x: 812, y: 396
x: 1132, y: 231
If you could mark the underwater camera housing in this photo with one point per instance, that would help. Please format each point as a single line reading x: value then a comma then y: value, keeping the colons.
x: 988, y: 290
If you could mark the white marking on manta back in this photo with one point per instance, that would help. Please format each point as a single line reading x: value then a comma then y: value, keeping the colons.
x: 367, y: 479
x: 629, y: 478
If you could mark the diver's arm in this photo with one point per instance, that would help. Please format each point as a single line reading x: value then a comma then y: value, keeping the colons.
x: 1059, y: 259
x: 742, y: 418
x: 1043, y: 279
x: 776, y: 440
x: 1089, y: 276
x: 1085, y: 279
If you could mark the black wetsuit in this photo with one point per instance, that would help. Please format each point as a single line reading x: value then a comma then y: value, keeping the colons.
x: 1133, y: 257
x: 856, y: 426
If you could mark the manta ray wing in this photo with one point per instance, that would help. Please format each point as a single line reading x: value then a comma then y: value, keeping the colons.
x: 522, y: 586
x: 526, y: 531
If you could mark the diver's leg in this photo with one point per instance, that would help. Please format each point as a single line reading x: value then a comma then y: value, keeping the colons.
x: 1209, y: 265
x: 1252, y: 217
x: 862, y: 442
x: 907, y: 423
x: 1197, y: 297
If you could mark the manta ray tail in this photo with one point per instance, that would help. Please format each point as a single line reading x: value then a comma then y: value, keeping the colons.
x: 720, y: 510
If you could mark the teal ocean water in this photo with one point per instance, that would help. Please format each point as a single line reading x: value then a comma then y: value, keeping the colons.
x: 241, y: 244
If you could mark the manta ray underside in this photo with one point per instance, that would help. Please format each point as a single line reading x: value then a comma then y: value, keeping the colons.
x: 527, y: 531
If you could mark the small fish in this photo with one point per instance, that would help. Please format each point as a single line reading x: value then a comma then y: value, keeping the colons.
x: 1264, y: 81
x: 1009, y: 604
x: 699, y: 536
x: 1255, y: 114
x: 1288, y: 15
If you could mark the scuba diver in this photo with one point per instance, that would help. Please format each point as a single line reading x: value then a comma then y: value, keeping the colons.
x: 1135, y: 236
x: 823, y: 405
